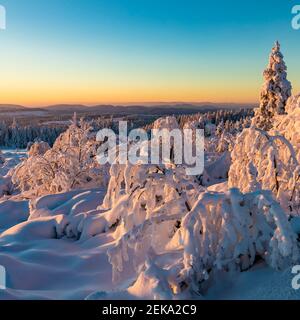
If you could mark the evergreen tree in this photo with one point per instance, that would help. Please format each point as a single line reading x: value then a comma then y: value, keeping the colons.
x: 275, y: 91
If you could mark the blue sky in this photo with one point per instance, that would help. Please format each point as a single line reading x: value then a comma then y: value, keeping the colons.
x: 94, y: 51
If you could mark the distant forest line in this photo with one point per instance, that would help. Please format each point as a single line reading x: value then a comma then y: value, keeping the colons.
x: 18, y: 133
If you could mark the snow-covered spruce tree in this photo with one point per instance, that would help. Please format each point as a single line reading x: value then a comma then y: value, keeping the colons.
x: 226, y: 142
x: 261, y: 161
x: 220, y: 128
x: 275, y: 91
x: 70, y: 164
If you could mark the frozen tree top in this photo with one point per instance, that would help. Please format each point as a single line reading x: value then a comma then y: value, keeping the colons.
x: 275, y: 91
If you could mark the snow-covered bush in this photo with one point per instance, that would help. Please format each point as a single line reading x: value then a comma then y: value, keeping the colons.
x: 264, y: 162
x: 156, y: 212
x: 229, y: 231
x: 70, y: 164
x: 217, y: 171
x: 221, y: 232
x: 217, y: 151
x: 275, y: 91
x: 149, y: 201
x: 7, y: 163
x: 210, y: 129
x: 137, y: 192
x: 289, y: 125
x: 38, y: 148
x: 225, y: 143
x: 169, y: 123
x: 293, y: 104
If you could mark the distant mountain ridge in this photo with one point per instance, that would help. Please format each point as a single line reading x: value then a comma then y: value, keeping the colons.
x: 163, y: 109
x: 12, y: 107
x: 151, y: 105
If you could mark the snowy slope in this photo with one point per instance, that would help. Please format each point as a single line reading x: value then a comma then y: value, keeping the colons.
x: 41, y: 266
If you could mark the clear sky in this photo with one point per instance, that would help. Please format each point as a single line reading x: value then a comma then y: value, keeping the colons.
x: 114, y: 51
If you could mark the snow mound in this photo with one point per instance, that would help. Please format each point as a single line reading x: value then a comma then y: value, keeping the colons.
x: 12, y: 213
x: 69, y: 203
x: 41, y: 261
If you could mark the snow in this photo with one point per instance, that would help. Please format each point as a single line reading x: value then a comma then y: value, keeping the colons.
x: 13, y: 213
x: 275, y: 92
x: 139, y: 239
x: 68, y: 203
x: 41, y: 262
x: 47, y: 268
x: 217, y: 171
x: 9, y: 159
x: 263, y: 161
x: 71, y: 228
x: 70, y: 164
x: 259, y: 283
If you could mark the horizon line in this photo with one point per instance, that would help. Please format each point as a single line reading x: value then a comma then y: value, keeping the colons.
x: 127, y: 104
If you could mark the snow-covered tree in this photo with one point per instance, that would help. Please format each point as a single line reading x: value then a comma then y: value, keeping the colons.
x: 38, y: 148
x: 225, y: 143
x: 275, y: 91
x: 70, y: 164
x: 220, y: 128
x: 222, y: 231
x: 264, y: 162
x: 289, y: 125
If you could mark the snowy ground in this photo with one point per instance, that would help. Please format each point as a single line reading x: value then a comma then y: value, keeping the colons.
x: 41, y: 264
x: 41, y: 267
x: 12, y: 157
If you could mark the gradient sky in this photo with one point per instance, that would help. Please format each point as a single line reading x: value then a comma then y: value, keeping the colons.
x: 121, y: 51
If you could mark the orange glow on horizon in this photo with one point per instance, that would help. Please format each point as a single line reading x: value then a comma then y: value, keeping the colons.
x: 44, y: 97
